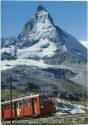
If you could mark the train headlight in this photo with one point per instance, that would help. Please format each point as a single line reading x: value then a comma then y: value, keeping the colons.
x: 41, y: 106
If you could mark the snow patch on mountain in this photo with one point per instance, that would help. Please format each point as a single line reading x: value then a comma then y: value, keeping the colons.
x: 84, y: 43
x: 43, y: 18
x: 43, y: 48
x: 13, y: 63
x: 68, y: 108
x: 44, y: 29
x: 9, y: 50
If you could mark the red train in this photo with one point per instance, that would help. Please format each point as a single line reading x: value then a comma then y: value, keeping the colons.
x: 36, y: 105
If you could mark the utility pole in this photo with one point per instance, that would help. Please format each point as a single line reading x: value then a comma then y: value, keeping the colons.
x: 11, y: 97
x: 10, y: 82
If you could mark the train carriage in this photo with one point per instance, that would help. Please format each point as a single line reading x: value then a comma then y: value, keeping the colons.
x: 36, y: 105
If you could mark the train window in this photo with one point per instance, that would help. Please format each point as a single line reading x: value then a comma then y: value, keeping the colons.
x: 43, y: 100
x: 2, y: 107
x: 7, y: 106
x: 13, y: 106
x: 16, y: 104
x: 35, y: 100
x: 47, y: 100
x: 53, y: 99
x: 30, y: 102
x: 50, y: 100
x: 20, y: 104
x: 26, y: 102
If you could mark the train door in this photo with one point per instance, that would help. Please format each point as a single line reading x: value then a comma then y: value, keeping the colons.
x: 34, y: 105
x: 2, y: 111
x: 17, y: 109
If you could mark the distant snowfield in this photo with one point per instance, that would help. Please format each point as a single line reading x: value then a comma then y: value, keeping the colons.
x: 12, y: 63
x: 8, y: 64
x: 84, y: 43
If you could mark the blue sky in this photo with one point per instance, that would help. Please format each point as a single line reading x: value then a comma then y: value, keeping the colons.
x: 70, y: 16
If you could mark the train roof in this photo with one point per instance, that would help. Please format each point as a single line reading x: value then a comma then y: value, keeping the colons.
x: 26, y: 97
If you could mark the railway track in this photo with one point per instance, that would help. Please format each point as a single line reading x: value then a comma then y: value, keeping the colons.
x: 51, y: 120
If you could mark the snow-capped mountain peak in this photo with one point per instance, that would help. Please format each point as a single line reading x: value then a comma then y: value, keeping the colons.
x: 43, y: 14
x: 39, y: 26
x: 41, y: 8
x: 41, y: 39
